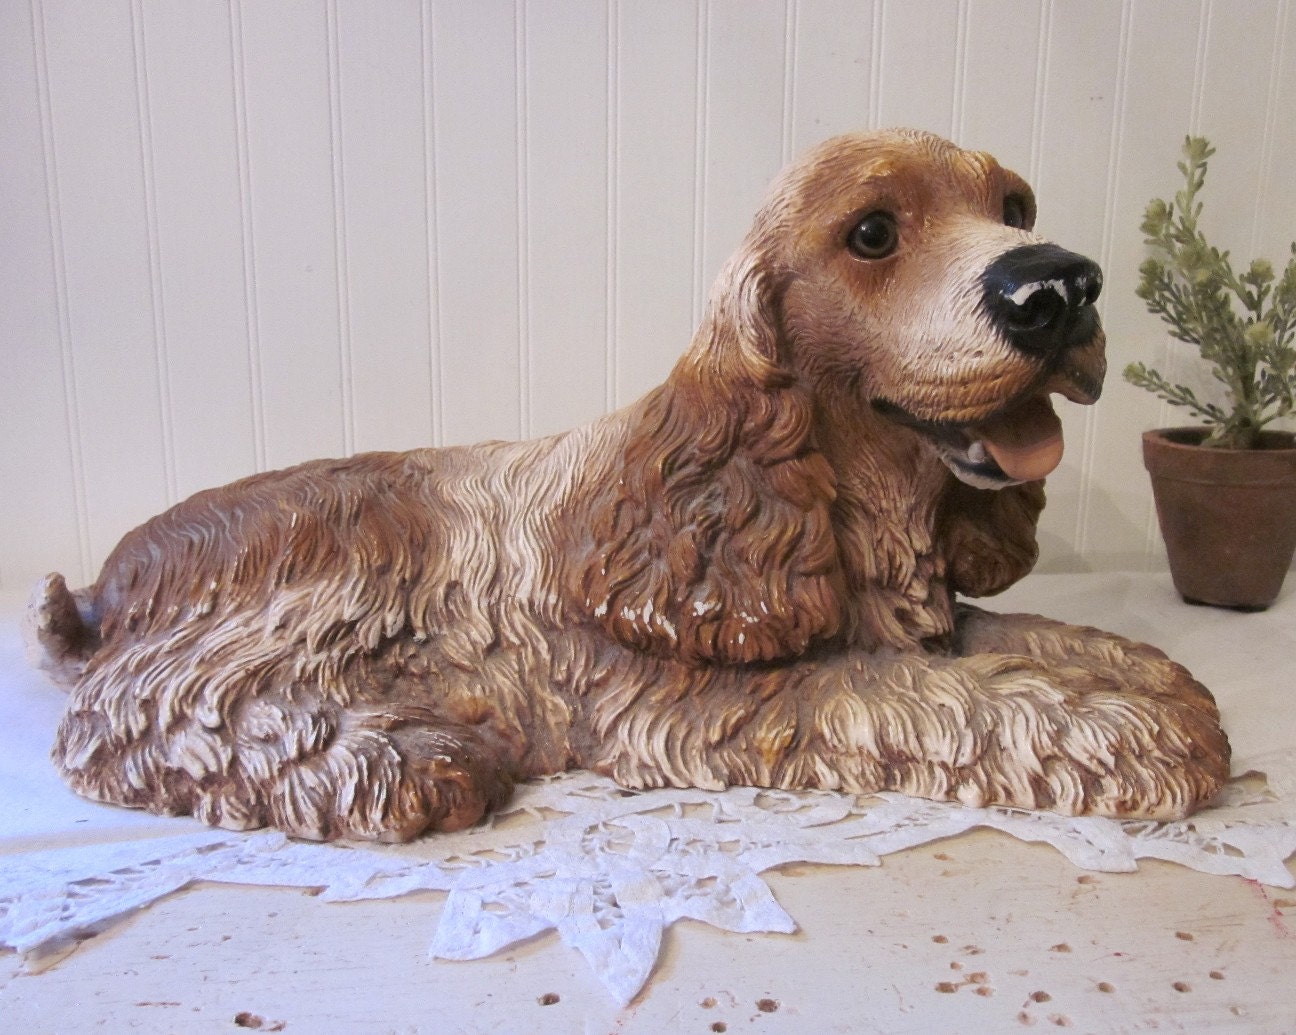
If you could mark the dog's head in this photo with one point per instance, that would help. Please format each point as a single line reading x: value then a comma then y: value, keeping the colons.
x: 904, y: 271
x: 891, y: 280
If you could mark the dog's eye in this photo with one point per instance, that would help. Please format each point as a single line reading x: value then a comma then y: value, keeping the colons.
x: 874, y: 237
x: 1016, y: 213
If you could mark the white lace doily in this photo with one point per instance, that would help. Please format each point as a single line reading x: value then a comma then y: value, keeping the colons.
x: 609, y: 870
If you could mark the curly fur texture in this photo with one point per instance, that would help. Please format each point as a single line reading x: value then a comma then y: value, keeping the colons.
x: 747, y: 577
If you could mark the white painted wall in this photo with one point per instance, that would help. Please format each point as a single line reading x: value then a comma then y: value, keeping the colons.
x: 241, y: 234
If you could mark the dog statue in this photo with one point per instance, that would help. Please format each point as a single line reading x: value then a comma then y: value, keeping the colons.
x: 747, y: 577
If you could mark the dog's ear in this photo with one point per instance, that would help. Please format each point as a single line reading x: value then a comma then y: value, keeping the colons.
x: 987, y: 536
x: 716, y: 543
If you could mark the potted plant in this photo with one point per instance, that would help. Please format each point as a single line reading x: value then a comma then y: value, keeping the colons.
x: 1225, y: 491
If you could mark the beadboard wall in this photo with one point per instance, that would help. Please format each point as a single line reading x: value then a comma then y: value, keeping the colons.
x: 242, y: 234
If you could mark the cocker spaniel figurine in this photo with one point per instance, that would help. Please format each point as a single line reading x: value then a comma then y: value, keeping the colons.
x: 747, y: 577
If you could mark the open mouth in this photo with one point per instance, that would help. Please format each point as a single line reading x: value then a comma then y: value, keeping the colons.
x: 1020, y: 443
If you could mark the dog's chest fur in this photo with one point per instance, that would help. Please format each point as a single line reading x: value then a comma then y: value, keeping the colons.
x: 896, y: 593
x: 885, y: 521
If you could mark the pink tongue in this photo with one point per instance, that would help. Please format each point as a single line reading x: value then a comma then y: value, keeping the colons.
x: 1025, y: 442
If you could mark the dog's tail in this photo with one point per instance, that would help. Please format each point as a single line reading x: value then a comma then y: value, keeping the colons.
x: 61, y: 629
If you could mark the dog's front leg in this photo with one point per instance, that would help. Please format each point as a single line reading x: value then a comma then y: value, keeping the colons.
x: 1098, y: 727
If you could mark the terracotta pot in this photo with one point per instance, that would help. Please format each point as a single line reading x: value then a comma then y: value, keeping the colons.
x: 1228, y: 516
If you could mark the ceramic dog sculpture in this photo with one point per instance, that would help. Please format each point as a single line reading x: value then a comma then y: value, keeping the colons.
x: 747, y: 577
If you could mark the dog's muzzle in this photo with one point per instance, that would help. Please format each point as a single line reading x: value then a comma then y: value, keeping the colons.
x: 1040, y: 299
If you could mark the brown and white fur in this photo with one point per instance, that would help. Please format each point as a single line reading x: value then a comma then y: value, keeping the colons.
x: 747, y: 577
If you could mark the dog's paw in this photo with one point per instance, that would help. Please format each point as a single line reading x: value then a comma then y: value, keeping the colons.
x: 390, y: 779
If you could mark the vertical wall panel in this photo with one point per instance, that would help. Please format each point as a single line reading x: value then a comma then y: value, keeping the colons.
x: 566, y: 224
x: 653, y: 166
x: 1155, y: 114
x: 294, y: 228
x: 40, y: 512
x: 384, y: 202
x: 193, y: 156
x: 1236, y: 77
x: 833, y: 71
x: 744, y: 119
x: 1000, y: 76
x: 920, y: 56
x: 94, y: 108
x: 1277, y: 223
x: 474, y: 91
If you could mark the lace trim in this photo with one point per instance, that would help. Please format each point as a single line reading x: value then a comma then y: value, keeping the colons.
x: 610, y: 870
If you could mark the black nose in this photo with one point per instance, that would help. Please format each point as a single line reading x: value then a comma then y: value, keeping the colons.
x: 1041, y: 297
